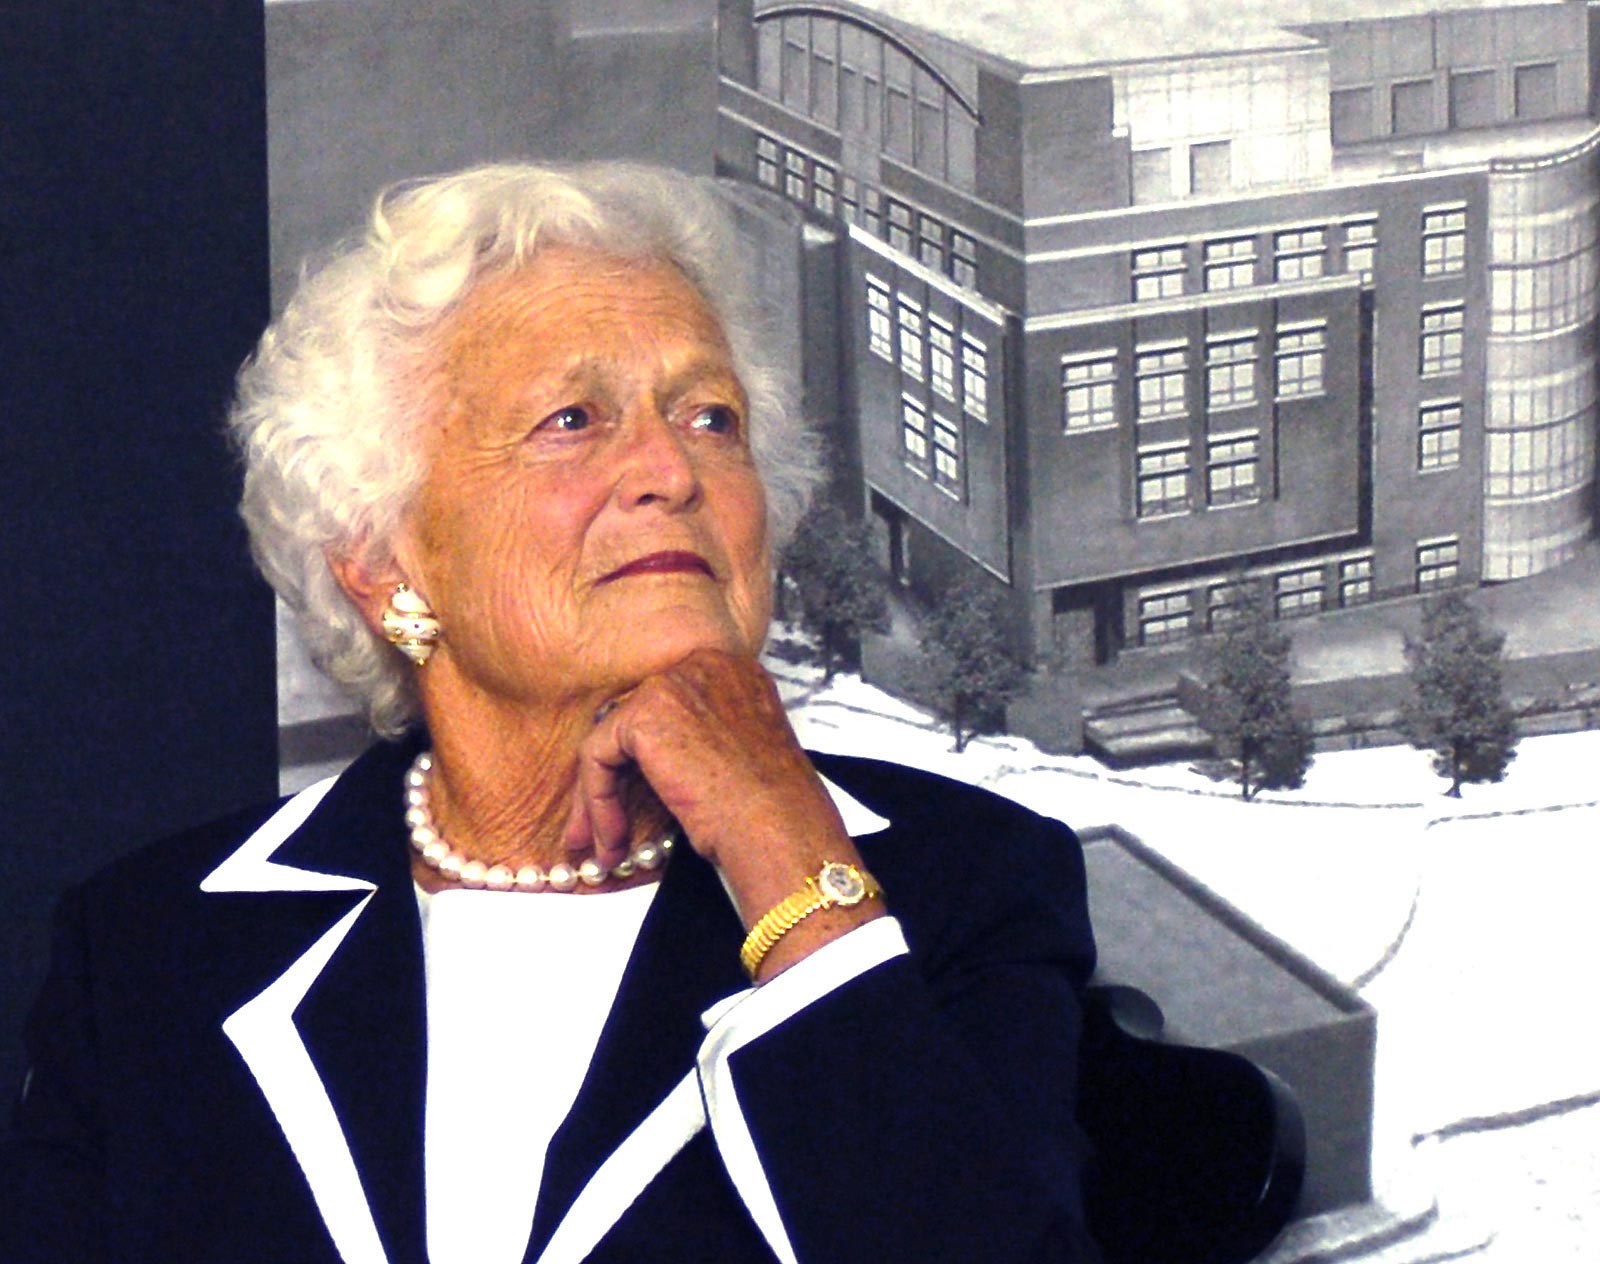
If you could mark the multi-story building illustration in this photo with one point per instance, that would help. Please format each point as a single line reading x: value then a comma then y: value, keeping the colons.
x: 1132, y: 305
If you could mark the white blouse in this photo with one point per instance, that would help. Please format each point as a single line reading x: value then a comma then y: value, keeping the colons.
x: 519, y: 986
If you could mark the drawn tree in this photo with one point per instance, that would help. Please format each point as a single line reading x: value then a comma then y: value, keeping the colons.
x: 829, y: 561
x: 1457, y: 707
x: 1248, y: 708
x: 972, y: 673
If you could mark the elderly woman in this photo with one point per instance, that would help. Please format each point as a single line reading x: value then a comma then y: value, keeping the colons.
x: 592, y: 961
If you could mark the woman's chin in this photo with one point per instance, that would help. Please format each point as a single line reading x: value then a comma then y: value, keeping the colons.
x: 655, y: 644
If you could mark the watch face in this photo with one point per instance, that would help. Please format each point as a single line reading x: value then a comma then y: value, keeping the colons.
x: 843, y: 883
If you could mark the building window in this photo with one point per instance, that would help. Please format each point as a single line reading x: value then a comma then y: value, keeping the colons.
x: 1152, y: 176
x: 1158, y: 272
x: 1160, y: 374
x: 767, y: 161
x: 1300, y: 254
x: 872, y: 210
x: 1411, y: 107
x: 822, y: 189
x: 963, y: 260
x: 880, y: 327
x: 794, y: 175
x: 850, y: 199
x: 900, y: 226
x: 942, y: 357
x: 1233, y: 469
x: 1231, y: 371
x: 1301, y: 356
x: 1535, y: 91
x: 910, y: 337
x: 1165, y: 617
x: 1361, y: 246
x: 824, y: 78
x: 897, y: 122
x: 1438, y: 563
x: 1224, y: 603
x: 1355, y: 581
x: 1442, y: 336
x: 974, y: 377
x: 1297, y: 592
x: 1210, y: 167
x: 1546, y: 293
x: 1229, y: 264
x: 1545, y: 458
x: 929, y: 98
x: 914, y: 434
x: 930, y: 243
x: 1163, y: 480
x: 1089, y: 391
x: 947, y: 455
x: 769, y: 60
x: 1444, y: 240
x: 1350, y: 115
x: 796, y: 60
x: 1473, y: 98
x: 1439, y: 435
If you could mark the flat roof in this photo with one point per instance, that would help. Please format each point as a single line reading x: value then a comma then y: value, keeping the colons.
x: 1218, y: 977
x: 1063, y: 34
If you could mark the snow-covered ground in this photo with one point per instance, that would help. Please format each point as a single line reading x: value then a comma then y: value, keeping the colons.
x: 1467, y: 923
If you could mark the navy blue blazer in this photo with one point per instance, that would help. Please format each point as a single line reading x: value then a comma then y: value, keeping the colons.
x: 227, y: 1062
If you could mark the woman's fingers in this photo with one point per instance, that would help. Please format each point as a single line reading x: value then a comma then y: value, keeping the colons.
x: 598, y: 821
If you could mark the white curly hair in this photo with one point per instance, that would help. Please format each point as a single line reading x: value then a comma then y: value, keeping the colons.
x: 327, y: 414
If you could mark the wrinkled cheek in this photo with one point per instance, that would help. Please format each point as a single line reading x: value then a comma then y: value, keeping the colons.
x: 753, y: 601
x: 512, y: 622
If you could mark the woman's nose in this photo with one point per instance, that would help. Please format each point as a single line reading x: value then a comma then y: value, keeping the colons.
x: 657, y: 466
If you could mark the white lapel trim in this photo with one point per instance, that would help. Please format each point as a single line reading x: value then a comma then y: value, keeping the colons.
x: 620, y: 1180
x: 251, y: 868
x: 264, y: 1032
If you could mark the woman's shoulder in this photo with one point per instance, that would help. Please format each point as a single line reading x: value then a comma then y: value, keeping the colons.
x: 165, y: 869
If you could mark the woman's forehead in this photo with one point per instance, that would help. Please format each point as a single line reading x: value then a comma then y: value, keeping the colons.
x: 574, y: 318
x: 563, y: 291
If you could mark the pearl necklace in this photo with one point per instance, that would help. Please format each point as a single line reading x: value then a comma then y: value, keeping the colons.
x: 450, y: 864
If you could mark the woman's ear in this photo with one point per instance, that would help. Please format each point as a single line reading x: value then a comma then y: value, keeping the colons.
x: 369, y: 589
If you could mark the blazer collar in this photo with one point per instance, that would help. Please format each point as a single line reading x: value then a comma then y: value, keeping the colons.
x: 337, y: 1042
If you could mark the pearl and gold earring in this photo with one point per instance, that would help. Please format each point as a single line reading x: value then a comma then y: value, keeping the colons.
x: 410, y: 625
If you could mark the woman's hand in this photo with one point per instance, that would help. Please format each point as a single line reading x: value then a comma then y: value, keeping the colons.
x: 710, y: 737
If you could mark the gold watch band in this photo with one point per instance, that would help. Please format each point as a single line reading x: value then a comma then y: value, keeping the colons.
x: 836, y: 884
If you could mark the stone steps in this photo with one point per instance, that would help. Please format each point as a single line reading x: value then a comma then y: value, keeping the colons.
x: 1147, y: 730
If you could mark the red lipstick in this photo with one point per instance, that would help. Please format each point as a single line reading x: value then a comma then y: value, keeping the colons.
x: 665, y: 562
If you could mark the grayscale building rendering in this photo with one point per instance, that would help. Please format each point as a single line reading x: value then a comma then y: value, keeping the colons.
x: 1130, y: 308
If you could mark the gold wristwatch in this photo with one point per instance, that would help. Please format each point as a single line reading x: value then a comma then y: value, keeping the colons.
x: 836, y: 884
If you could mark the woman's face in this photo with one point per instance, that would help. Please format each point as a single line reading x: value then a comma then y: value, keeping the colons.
x: 591, y: 511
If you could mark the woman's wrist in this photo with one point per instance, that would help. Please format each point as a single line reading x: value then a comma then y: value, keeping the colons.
x: 817, y: 931
x: 815, y: 911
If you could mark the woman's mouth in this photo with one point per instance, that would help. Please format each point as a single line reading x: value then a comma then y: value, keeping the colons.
x: 663, y: 563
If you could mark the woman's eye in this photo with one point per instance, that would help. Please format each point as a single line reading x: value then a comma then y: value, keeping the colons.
x: 574, y: 417
x: 716, y: 419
